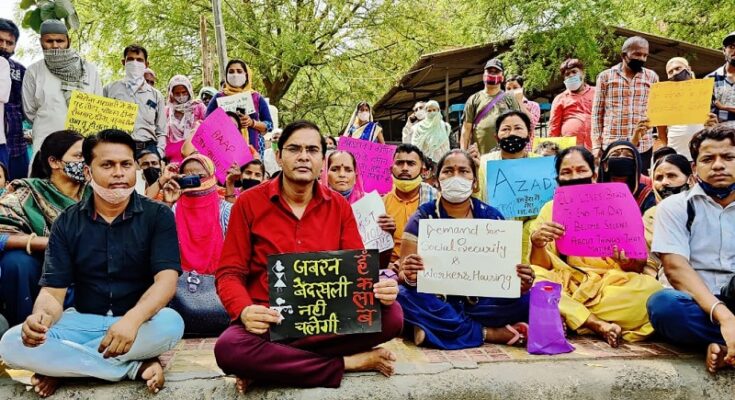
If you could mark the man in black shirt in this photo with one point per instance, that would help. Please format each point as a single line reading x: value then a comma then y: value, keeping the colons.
x: 120, y: 250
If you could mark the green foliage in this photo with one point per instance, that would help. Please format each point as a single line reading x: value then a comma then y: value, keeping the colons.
x: 38, y: 11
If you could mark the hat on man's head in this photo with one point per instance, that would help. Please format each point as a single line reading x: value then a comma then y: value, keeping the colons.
x: 7, y: 25
x: 729, y: 39
x: 495, y: 63
x: 53, y: 26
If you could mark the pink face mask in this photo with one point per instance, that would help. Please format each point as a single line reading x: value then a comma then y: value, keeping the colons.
x: 112, y: 196
x: 492, y: 80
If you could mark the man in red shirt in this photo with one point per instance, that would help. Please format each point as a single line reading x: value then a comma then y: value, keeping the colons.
x: 293, y: 214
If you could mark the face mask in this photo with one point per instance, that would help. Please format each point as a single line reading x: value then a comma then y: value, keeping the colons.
x: 274, y: 146
x: 4, y: 54
x: 513, y: 144
x: 346, y: 194
x: 420, y: 114
x: 573, y: 83
x: 668, y: 191
x: 683, y: 75
x: 364, y: 116
x: 718, y: 193
x: 730, y: 60
x: 75, y: 171
x: 134, y: 70
x: 237, y: 80
x: 456, y: 189
x: 636, y: 65
x: 151, y: 175
x: 182, y: 99
x: 574, y: 182
x: 407, y: 185
x: 621, y: 166
x: 246, y: 183
x: 112, y: 196
x: 493, y: 80
x: 432, y: 115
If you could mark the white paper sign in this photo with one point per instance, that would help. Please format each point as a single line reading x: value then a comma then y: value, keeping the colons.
x: 366, y: 211
x: 240, y: 100
x: 470, y: 257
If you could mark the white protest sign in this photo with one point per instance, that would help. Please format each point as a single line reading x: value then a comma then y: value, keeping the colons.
x: 470, y: 257
x: 366, y: 211
x: 240, y: 100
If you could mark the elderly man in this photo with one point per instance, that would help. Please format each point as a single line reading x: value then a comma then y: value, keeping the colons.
x: 621, y: 101
x: 49, y: 83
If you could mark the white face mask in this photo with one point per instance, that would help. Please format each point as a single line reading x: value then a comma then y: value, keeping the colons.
x: 420, y: 114
x: 364, y: 116
x: 237, y: 80
x: 112, y: 196
x: 456, y: 189
x: 573, y: 82
x: 134, y: 70
x: 431, y: 115
x: 182, y: 99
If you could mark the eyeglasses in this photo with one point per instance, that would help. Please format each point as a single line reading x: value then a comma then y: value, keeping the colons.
x: 311, y: 151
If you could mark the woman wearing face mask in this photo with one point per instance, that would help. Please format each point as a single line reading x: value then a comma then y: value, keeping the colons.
x: 340, y: 174
x: 621, y: 162
x: 431, y: 135
x: 606, y: 296
x: 240, y: 80
x: 458, y: 322
x: 184, y: 113
x: 362, y: 126
x: 678, y: 136
x: 26, y: 214
x: 672, y: 174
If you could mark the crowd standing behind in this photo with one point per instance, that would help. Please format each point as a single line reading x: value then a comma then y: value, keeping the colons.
x: 98, y: 280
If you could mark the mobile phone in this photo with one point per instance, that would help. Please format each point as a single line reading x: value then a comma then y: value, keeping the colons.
x: 189, y: 181
x: 241, y: 111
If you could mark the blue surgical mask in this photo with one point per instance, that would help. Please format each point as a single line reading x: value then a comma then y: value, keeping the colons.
x: 718, y: 193
x: 346, y: 194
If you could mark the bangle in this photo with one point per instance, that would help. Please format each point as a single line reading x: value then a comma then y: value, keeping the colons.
x: 229, y: 196
x: 28, y: 244
x: 712, y: 310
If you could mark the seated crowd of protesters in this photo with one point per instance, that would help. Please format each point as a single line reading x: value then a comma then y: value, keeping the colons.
x: 98, y: 279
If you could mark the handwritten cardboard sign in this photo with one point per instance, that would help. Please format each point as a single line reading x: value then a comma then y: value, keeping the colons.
x: 366, y: 211
x: 519, y: 188
x: 680, y: 103
x: 324, y: 293
x: 89, y: 114
x: 374, y: 161
x: 470, y: 257
x: 243, y: 101
x: 596, y: 217
x: 218, y: 138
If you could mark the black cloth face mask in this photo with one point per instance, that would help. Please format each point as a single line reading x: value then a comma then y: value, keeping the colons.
x: 573, y: 182
x: 513, y: 144
x: 151, y: 175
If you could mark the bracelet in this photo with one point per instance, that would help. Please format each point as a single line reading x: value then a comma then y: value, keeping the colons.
x: 712, y: 310
x: 229, y: 196
x: 28, y: 244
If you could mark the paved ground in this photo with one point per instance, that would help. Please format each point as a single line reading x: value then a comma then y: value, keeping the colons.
x: 592, y: 371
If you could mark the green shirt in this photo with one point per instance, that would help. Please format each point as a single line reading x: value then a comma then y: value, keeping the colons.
x: 484, y: 132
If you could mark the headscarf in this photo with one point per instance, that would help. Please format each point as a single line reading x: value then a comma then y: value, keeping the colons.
x: 231, y: 90
x: 197, y: 222
x: 179, y: 128
x: 358, y: 190
x: 351, y: 127
x: 431, y: 134
x: 208, y: 90
x: 639, y: 187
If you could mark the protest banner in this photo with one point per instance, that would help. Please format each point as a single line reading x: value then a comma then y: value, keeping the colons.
x: 374, y: 161
x: 89, y: 114
x: 596, y: 217
x: 519, y: 188
x: 470, y: 257
x: 242, y: 101
x: 218, y: 138
x: 680, y: 103
x: 366, y: 211
x: 324, y: 293
x: 563, y: 142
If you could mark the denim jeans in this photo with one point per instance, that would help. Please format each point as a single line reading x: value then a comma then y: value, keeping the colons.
x: 71, y: 346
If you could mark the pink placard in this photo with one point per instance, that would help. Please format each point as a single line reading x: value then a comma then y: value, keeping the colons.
x: 374, y: 161
x: 596, y: 217
x: 219, y: 139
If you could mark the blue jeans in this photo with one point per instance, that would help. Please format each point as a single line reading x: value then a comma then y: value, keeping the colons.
x: 71, y: 346
x: 680, y: 320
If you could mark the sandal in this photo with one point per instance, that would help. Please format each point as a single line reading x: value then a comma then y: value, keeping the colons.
x: 520, y: 332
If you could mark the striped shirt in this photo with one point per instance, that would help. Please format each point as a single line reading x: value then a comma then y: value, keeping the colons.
x: 724, y: 92
x: 620, y: 103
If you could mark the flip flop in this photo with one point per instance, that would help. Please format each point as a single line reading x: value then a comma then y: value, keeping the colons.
x: 520, y: 333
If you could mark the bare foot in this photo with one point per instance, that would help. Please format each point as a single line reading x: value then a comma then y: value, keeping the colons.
x: 418, y: 336
x: 716, y: 357
x: 503, y: 335
x: 242, y: 384
x: 606, y: 330
x: 379, y: 359
x: 44, y: 385
x: 152, y: 373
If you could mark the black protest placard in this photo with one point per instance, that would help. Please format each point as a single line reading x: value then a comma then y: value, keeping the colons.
x: 324, y: 293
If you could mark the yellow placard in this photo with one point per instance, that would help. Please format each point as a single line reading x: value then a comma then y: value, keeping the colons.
x: 680, y: 103
x: 89, y: 114
x: 563, y: 142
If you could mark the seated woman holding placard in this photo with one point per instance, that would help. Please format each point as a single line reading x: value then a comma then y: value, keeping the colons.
x: 606, y: 296
x: 457, y: 322
x: 621, y: 162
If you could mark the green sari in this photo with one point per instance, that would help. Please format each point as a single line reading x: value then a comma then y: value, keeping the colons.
x: 32, y: 205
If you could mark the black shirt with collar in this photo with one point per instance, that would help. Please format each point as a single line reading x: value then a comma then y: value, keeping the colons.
x: 110, y: 265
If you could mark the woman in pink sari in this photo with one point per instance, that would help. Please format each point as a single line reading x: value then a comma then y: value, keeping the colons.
x: 341, y: 175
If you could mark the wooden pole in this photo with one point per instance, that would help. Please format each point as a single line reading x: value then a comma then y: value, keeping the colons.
x: 446, y: 96
x: 207, y: 67
x: 219, y: 34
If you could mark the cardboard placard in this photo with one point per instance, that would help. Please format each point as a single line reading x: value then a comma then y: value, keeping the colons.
x: 680, y: 103
x: 218, y: 138
x: 88, y: 114
x: 519, y: 188
x: 374, y: 161
x: 242, y: 101
x: 366, y: 211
